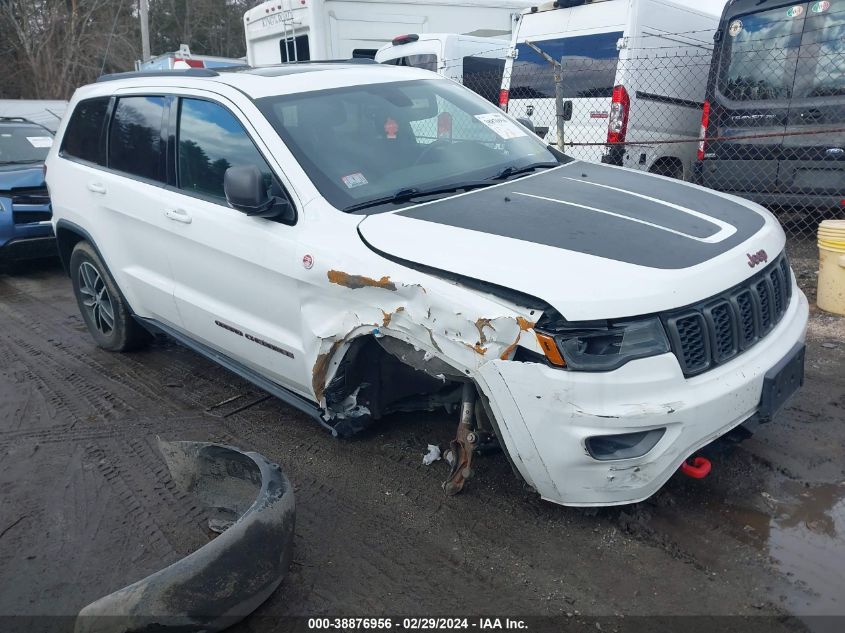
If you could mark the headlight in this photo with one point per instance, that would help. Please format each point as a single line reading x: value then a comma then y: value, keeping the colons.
x: 603, y: 346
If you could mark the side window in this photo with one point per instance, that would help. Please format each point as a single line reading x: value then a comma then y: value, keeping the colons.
x: 211, y: 140
x: 135, y: 145
x: 84, y: 131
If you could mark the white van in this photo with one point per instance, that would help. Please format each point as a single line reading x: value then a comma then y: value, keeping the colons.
x: 633, y: 71
x: 476, y: 62
x: 302, y: 30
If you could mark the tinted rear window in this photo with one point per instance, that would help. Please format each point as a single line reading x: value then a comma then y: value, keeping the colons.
x: 483, y: 76
x: 821, y: 69
x: 135, y: 137
x: 83, y: 135
x: 426, y: 61
x: 590, y: 60
x: 759, y: 55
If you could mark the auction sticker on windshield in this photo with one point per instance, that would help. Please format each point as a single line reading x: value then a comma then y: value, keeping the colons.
x: 501, y: 125
x: 355, y: 180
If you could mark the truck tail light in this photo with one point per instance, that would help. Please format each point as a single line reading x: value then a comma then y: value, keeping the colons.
x: 702, y: 134
x: 617, y: 124
x: 504, y: 97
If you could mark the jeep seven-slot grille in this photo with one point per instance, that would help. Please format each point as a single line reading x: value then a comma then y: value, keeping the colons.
x: 716, y: 330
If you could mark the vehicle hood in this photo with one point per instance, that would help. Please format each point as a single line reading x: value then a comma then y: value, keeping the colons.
x: 21, y: 176
x: 594, y: 241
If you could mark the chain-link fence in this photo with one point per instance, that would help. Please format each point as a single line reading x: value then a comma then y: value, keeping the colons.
x: 766, y: 122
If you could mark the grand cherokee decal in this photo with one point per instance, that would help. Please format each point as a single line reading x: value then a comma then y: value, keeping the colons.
x: 254, y: 339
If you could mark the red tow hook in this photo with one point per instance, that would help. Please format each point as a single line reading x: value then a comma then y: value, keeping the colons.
x: 696, y: 467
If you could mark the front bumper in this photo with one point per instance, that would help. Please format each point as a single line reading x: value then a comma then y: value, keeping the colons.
x: 26, y: 240
x: 545, y: 415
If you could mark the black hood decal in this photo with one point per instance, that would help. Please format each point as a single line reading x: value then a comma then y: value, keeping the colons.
x: 608, y: 212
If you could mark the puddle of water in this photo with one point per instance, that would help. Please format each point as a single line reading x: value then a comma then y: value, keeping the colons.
x: 806, y: 540
x: 803, y: 532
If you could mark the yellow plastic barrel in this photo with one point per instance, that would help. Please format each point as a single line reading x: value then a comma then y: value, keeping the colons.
x: 831, y: 295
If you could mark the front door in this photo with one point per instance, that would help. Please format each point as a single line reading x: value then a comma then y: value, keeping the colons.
x: 232, y: 276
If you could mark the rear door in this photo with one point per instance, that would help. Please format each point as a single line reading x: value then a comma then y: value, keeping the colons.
x: 757, y: 64
x: 813, y: 158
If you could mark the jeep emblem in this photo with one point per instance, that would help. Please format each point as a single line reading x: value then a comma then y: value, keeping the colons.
x: 757, y: 258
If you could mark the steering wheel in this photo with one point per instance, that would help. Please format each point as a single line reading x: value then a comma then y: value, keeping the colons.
x: 439, y: 144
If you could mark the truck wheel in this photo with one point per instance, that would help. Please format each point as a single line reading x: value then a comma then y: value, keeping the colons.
x: 670, y: 168
x: 103, y: 307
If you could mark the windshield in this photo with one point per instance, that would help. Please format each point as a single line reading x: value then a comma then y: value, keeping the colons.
x: 23, y: 144
x: 363, y: 143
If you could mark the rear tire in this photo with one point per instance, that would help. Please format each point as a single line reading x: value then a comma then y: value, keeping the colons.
x: 101, y: 304
x: 670, y: 168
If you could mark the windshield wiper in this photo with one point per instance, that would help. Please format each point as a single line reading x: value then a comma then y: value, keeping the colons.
x: 409, y: 193
x: 507, y: 172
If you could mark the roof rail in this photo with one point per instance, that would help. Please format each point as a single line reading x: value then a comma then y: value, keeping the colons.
x: 187, y: 72
x: 21, y: 119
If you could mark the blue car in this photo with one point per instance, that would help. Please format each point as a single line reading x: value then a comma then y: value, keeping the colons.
x: 25, y: 229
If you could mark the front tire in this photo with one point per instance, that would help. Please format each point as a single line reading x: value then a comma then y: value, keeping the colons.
x: 101, y: 304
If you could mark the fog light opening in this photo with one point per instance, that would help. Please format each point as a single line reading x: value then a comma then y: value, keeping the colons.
x: 624, y: 445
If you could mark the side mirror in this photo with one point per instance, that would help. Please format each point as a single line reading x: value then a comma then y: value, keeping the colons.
x: 527, y: 123
x: 245, y: 191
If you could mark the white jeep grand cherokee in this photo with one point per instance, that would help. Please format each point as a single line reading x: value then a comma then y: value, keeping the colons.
x: 360, y: 239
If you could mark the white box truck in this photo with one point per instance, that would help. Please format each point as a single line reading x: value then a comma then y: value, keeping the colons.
x: 301, y: 30
x: 633, y: 77
x: 476, y: 62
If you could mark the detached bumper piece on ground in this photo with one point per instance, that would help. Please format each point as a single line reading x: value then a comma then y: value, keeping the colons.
x: 251, y: 503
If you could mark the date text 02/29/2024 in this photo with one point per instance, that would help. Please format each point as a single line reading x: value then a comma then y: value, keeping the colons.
x: 417, y: 623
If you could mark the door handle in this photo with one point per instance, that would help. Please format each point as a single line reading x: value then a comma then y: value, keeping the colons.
x: 178, y: 215
x: 96, y: 187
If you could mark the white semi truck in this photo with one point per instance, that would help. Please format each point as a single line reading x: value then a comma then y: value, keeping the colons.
x: 302, y: 30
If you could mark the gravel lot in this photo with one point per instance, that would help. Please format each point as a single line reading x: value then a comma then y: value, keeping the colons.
x: 88, y: 506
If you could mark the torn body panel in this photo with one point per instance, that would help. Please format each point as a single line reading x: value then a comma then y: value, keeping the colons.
x: 397, y: 344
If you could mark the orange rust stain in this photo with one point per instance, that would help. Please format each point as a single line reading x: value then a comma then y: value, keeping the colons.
x: 524, y: 324
x: 321, y: 368
x: 481, y: 350
x: 385, y: 321
x: 359, y: 281
x: 479, y: 325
